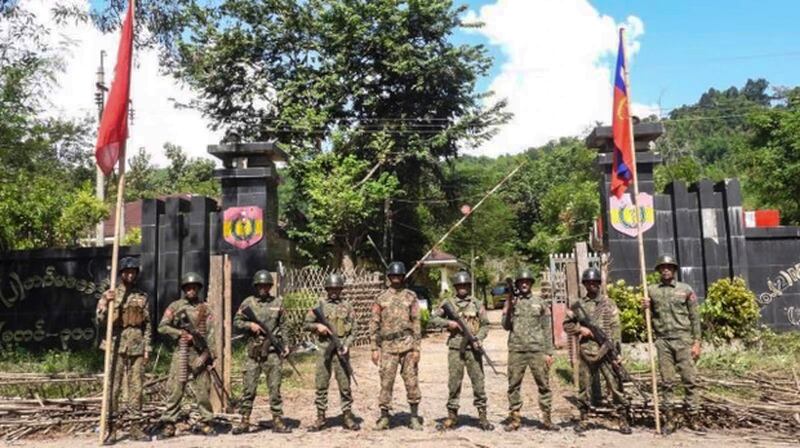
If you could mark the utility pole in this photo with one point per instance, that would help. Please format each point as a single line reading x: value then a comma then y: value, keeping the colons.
x: 100, y: 179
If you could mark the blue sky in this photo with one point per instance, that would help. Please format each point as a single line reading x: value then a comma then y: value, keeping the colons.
x: 553, y: 63
x: 689, y: 46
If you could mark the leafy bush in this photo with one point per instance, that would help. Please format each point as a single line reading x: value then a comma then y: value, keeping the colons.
x: 425, y: 317
x: 629, y: 301
x: 730, y: 311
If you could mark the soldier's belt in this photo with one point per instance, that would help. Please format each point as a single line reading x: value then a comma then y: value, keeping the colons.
x: 396, y: 335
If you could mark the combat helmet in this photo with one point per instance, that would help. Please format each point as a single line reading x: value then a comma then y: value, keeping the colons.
x: 524, y: 274
x: 334, y: 280
x: 128, y: 263
x: 461, y: 278
x: 666, y: 259
x: 192, y: 278
x: 591, y: 275
x: 262, y: 277
x: 396, y: 268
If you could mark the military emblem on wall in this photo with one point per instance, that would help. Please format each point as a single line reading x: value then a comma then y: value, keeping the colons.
x: 243, y: 227
x: 623, y: 217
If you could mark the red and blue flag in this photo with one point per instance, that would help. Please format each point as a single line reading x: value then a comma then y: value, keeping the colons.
x: 623, y: 167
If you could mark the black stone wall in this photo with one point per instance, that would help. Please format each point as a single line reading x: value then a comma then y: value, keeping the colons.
x: 48, y: 297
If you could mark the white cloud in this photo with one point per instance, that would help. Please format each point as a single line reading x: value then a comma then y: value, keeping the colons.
x: 557, y: 75
x: 156, y: 121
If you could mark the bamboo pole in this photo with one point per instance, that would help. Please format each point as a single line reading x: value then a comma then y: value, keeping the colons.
x: 111, y: 305
x: 464, y: 218
x: 640, y: 241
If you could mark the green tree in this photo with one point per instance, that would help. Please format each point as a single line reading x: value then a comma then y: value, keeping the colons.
x: 771, y: 168
x: 340, y: 202
x: 369, y: 74
x: 45, y: 163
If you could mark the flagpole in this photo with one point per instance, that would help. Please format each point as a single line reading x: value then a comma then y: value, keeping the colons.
x: 109, y: 353
x: 640, y: 241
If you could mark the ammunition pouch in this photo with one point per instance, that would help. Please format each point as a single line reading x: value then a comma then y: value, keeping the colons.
x: 132, y: 316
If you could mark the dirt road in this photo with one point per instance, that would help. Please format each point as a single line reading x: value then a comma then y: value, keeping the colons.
x: 300, y: 410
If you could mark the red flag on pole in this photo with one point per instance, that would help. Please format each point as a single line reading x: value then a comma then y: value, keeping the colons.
x: 114, y: 125
x: 623, y: 166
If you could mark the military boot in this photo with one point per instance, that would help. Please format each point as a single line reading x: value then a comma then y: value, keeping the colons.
x: 514, y: 421
x: 243, y: 426
x: 547, y: 422
x: 319, y: 423
x: 111, y: 437
x: 668, y: 427
x: 137, y: 434
x: 624, y: 422
x: 450, y: 422
x: 349, y: 421
x: 583, y: 422
x: 278, y: 426
x: 167, y: 431
x: 206, y: 429
x: 484, y: 422
x: 382, y: 423
x: 415, y: 422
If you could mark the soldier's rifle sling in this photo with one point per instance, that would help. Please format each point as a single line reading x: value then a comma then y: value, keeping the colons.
x: 319, y: 314
x: 473, y: 341
x: 271, y: 341
x: 200, y: 345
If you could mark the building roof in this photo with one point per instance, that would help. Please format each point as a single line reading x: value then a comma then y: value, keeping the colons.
x: 439, y: 257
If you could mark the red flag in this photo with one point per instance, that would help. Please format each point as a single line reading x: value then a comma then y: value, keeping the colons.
x: 114, y: 125
x: 623, y: 167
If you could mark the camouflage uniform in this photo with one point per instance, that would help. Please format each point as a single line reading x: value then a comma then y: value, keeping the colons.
x: 603, y: 313
x: 460, y: 356
x: 396, y: 331
x: 130, y: 341
x: 676, y: 324
x: 270, y: 311
x: 341, y: 315
x: 529, y: 344
x: 200, y: 317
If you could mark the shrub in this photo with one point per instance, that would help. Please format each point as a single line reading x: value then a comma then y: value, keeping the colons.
x: 730, y: 311
x: 425, y: 317
x: 629, y: 301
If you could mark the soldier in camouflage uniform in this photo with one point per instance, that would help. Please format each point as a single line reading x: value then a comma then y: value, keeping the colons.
x: 530, y: 346
x: 269, y: 310
x: 604, y: 314
x: 676, y: 324
x: 185, y: 359
x: 130, y: 342
x: 341, y: 315
x: 461, y: 357
x: 396, y: 331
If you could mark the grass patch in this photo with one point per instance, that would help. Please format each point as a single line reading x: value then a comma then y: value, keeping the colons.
x: 21, y: 360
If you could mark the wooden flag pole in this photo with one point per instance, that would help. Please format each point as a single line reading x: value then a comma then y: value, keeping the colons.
x: 104, y: 412
x: 642, y: 263
x: 464, y: 218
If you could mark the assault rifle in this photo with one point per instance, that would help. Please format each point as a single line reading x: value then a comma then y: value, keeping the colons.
x: 612, y: 352
x: 469, y: 338
x: 269, y: 339
x: 336, y: 345
x: 206, y: 357
x: 512, y: 291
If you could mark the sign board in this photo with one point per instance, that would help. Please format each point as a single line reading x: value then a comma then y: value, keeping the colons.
x: 623, y: 219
